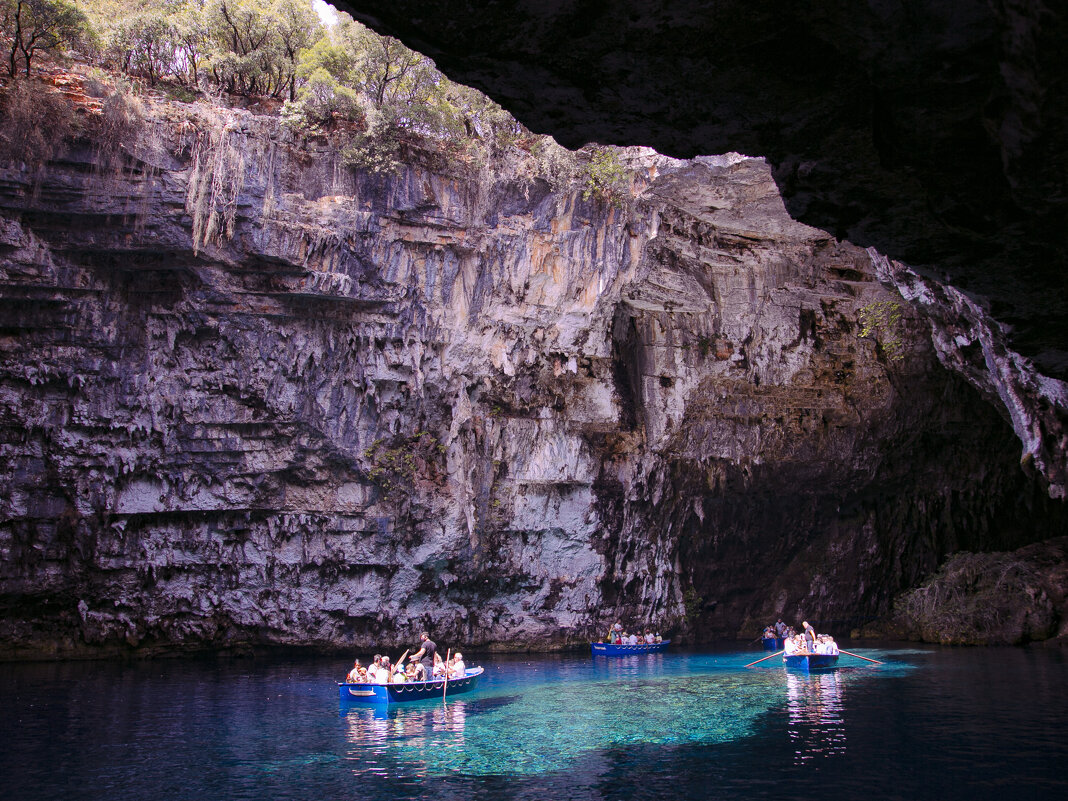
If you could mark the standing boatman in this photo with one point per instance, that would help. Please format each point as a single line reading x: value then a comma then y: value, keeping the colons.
x: 425, y: 654
x: 810, y: 637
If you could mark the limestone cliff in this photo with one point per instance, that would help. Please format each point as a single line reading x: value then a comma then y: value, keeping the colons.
x: 251, y: 396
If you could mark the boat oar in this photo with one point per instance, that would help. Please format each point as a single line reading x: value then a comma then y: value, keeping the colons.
x: 858, y: 656
x: 766, y: 657
x: 400, y: 664
x: 445, y: 686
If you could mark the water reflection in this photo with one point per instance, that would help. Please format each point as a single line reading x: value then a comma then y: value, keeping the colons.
x: 814, y: 713
x: 372, y: 732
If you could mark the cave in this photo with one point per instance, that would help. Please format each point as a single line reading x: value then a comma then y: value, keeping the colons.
x: 809, y: 354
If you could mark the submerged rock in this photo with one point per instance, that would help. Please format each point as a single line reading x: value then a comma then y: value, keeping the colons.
x: 251, y: 396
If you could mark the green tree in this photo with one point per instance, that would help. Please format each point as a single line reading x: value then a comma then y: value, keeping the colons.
x: 329, y: 89
x: 191, y: 32
x: 32, y: 27
x: 146, y: 44
x: 256, y: 45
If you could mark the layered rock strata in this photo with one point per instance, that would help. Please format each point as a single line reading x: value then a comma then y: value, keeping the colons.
x: 251, y: 396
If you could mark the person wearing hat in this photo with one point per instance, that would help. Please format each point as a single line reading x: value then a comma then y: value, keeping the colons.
x: 418, y: 669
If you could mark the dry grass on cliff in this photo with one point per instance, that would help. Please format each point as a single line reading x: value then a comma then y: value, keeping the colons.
x: 36, y: 124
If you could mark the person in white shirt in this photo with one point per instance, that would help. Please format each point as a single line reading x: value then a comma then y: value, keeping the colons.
x: 790, y: 646
x: 458, y: 669
x: 384, y: 671
x: 354, y: 674
x: 372, y: 670
x: 649, y: 638
x: 632, y: 639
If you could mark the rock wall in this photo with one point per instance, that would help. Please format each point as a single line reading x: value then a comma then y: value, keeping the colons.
x: 250, y: 396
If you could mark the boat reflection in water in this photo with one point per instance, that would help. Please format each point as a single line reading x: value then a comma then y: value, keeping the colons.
x: 374, y: 731
x: 814, y: 713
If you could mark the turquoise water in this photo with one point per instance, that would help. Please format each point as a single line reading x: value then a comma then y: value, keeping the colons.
x: 933, y: 722
x: 549, y: 718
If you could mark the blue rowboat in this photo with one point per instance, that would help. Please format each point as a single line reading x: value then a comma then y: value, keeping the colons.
x: 409, y: 691
x: 808, y: 662
x: 608, y: 649
x: 772, y: 643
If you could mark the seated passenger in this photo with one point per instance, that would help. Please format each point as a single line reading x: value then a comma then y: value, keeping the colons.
x: 458, y: 669
x: 632, y: 639
x: 417, y: 669
x: 373, y: 668
x: 649, y: 638
x: 790, y: 646
x: 354, y: 674
x: 657, y: 637
x: 439, y: 666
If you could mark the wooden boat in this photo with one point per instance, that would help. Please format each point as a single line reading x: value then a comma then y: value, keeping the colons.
x: 772, y: 643
x: 808, y: 662
x: 610, y: 649
x: 408, y: 691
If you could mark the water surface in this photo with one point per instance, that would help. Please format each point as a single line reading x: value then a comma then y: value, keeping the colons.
x: 932, y: 723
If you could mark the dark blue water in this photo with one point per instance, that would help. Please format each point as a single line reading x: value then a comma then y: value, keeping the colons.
x: 933, y: 723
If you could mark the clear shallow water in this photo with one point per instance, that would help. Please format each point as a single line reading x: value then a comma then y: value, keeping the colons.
x: 934, y: 723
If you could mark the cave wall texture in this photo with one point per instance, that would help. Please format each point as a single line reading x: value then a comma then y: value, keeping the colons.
x: 460, y: 399
x: 472, y: 401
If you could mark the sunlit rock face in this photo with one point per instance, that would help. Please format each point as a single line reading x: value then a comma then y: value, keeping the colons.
x: 459, y: 400
x: 932, y: 131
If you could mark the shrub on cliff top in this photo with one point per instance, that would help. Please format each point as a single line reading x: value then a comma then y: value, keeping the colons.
x: 605, y: 177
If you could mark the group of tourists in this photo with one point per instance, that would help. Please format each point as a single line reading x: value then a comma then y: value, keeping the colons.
x: 618, y: 636
x: 779, y: 631
x: 425, y: 664
x: 807, y: 642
